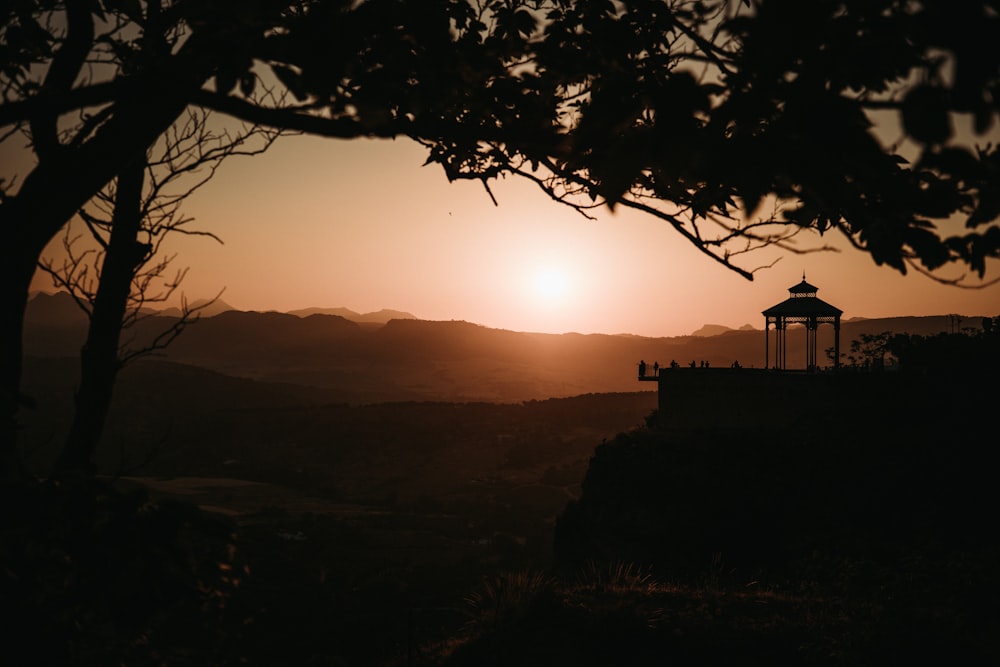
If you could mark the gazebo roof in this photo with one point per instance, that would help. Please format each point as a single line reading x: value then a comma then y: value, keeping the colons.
x: 803, y: 306
x: 803, y: 302
x: 803, y: 287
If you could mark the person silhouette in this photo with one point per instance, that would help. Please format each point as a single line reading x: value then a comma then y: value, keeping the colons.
x: 656, y: 368
x: 642, y: 368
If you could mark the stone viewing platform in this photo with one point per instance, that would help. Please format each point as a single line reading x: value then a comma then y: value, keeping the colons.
x: 741, y: 398
x: 697, y: 393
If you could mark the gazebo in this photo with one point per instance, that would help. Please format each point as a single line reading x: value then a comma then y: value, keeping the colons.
x: 801, y: 307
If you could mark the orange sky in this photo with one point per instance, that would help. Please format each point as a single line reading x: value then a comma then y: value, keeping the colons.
x: 361, y: 224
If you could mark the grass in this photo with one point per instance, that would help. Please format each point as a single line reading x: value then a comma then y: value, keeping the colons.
x: 618, y: 614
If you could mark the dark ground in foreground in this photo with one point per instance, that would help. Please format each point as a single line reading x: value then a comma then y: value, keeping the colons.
x: 478, y: 534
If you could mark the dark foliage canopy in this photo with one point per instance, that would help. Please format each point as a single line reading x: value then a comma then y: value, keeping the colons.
x: 702, y: 113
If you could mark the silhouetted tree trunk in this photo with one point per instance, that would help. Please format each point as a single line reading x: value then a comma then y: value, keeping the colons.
x: 49, y: 196
x: 129, y: 222
x: 99, y: 363
x: 16, y: 269
x: 64, y: 180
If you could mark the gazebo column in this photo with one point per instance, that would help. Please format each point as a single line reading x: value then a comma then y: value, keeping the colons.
x: 767, y: 348
x: 811, y: 327
x: 812, y: 348
x: 784, y: 345
x: 777, y: 343
x: 809, y: 339
x: 836, y: 343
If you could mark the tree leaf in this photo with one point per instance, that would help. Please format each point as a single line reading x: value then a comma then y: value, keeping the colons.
x: 524, y: 22
x: 247, y: 83
x: 225, y: 80
x: 925, y: 115
x: 291, y: 80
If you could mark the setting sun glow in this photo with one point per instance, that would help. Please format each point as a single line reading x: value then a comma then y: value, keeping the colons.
x: 526, y: 263
x: 551, y: 284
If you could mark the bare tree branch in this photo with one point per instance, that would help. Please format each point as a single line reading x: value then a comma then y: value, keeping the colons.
x: 187, y: 157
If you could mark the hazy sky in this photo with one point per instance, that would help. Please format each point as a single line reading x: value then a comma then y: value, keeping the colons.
x: 361, y: 224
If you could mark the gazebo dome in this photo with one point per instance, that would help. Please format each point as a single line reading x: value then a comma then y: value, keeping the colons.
x: 802, y: 302
x: 803, y: 288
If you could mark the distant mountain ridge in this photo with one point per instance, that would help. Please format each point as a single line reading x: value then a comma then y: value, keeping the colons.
x: 412, y: 359
x: 56, y: 302
x: 204, y: 308
x: 377, y: 317
x: 718, y: 329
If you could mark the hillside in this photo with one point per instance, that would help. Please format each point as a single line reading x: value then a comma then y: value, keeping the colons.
x: 577, y: 529
x: 377, y: 317
x: 402, y: 525
x: 409, y: 359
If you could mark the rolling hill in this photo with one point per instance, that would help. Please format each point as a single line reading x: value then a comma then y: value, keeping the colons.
x: 411, y: 359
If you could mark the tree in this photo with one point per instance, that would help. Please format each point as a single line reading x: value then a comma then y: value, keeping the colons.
x: 125, y: 81
x: 831, y: 354
x: 123, y: 270
x: 711, y: 115
x: 969, y: 355
x: 870, y: 350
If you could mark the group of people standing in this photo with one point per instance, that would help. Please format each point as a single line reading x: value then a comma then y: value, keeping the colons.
x: 656, y: 367
x: 674, y: 364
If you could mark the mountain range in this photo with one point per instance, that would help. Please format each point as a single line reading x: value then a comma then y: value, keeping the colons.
x: 377, y: 317
x: 212, y: 307
x: 363, y: 360
x: 717, y: 329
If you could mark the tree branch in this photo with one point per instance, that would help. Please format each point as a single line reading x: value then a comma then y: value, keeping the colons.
x: 291, y: 119
x: 65, y: 67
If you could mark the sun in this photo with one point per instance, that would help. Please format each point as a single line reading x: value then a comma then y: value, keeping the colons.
x: 551, y: 284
